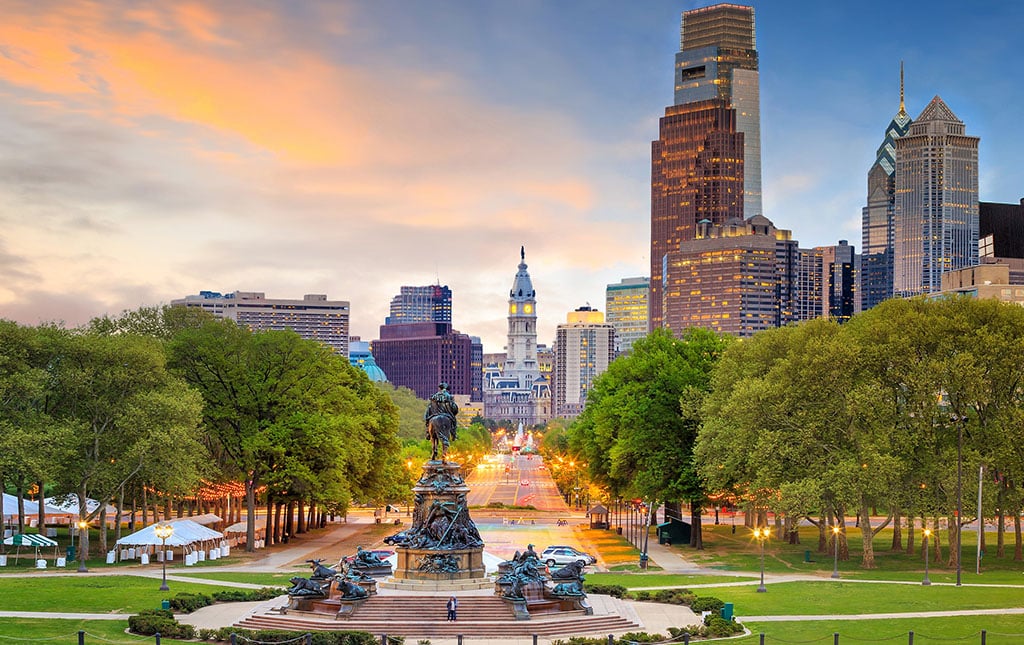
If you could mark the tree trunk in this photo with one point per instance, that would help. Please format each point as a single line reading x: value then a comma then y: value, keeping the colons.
x: 953, y: 538
x: 822, y: 532
x: 250, y: 518
x: 145, y: 508
x: 268, y: 531
x: 910, y: 534
x: 937, y: 536
x: 1001, y: 528
x: 117, y: 514
x: 83, y: 535
x: 103, y: 526
x: 21, y: 507
x: 696, y: 535
x: 289, y: 522
x: 867, y: 537
x: 167, y: 507
x: 42, y: 508
x: 301, y: 513
x: 1017, y: 550
x: 897, y: 531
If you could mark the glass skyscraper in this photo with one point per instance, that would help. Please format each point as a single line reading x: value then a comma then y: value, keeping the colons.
x: 877, y: 217
x: 706, y: 163
x: 935, y: 223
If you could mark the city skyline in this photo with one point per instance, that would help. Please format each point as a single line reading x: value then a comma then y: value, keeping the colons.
x: 347, y: 148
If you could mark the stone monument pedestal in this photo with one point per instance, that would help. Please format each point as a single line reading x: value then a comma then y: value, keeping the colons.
x: 442, y: 544
x: 439, y: 564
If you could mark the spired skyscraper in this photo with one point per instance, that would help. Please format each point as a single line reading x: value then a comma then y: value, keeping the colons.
x: 935, y: 222
x: 877, y: 217
x: 706, y: 163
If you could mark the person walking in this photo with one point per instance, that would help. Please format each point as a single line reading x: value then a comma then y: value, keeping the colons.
x: 453, y: 605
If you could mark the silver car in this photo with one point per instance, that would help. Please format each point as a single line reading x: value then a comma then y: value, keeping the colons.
x: 563, y: 555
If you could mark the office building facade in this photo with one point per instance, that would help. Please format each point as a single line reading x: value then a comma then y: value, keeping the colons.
x: 584, y: 347
x: 935, y: 222
x: 826, y: 282
x: 738, y: 278
x: 419, y: 356
x: 877, y: 234
x: 432, y: 303
x: 626, y: 307
x: 314, y: 317
x: 706, y: 164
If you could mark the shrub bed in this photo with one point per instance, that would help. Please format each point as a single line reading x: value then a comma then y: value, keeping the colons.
x: 189, y: 602
x: 278, y: 636
x: 151, y: 621
x: 247, y: 595
x: 615, y: 591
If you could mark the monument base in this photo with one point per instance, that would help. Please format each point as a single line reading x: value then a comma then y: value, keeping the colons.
x: 439, y: 564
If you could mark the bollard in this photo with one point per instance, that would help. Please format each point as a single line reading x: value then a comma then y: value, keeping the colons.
x: 459, y: 639
x: 611, y: 640
x: 234, y: 638
x: 911, y: 641
x: 835, y: 638
x: 81, y: 637
x: 984, y: 636
x: 157, y: 638
x: 686, y: 638
x: 309, y: 638
x: 534, y: 640
x: 762, y: 638
x: 383, y: 639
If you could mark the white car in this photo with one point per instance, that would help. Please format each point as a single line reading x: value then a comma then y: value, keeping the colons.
x: 563, y: 555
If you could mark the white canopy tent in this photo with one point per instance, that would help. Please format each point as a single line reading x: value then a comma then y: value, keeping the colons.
x: 69, y: 504
x: 205, y: 519
x: 51, y: 514
x: 191, y: 538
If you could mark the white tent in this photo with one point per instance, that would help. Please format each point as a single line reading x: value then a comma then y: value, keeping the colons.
x: 186, y: 532
x: 10, y: 512
x: 205, y: 519
x: 69, y: 504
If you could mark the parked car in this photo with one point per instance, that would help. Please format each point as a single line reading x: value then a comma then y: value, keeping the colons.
x: 524, y: 482
x: 563, y: 555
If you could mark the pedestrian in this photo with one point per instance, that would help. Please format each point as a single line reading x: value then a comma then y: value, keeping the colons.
x: 453, y: 605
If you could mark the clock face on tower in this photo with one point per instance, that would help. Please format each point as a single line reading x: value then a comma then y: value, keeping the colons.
x: 512, y: 308
x: 527, y: 308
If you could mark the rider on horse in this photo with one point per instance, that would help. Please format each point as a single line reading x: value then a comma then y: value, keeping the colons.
x: 442, y: 407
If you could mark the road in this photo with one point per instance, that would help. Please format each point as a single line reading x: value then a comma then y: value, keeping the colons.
x: 523, y: 481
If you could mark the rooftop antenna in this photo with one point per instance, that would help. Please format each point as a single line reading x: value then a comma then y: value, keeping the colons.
x: 903, y: 109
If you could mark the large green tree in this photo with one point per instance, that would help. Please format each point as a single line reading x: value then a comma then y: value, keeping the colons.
x: 641, y: 420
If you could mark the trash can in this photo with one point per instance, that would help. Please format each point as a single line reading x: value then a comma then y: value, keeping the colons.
x: 643, y: 560
x: 727, y: 611
x: 70, y: 552
x: 165, y: 604
x: 618, y: 530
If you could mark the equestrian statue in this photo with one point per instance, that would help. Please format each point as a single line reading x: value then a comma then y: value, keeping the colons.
x: 442, y: 428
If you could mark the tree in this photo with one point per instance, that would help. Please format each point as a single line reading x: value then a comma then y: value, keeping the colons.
x: 288, y: 413
x: 640, y: 423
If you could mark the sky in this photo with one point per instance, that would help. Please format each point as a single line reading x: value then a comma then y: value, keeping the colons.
x: 150, y: 150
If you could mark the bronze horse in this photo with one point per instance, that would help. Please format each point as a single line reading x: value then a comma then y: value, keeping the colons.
x: 441, y: 430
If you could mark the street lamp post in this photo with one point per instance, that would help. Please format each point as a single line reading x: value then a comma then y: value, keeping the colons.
x: 761, y: 534
x: 163, y: 531
x: 927, y: 534
x: 82, y: 527
x: 835, y: 547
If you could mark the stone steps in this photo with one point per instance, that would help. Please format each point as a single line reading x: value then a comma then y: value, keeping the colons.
x: 424, y: 616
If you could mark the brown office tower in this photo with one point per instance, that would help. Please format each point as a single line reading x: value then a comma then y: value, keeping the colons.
x: 706, y: 163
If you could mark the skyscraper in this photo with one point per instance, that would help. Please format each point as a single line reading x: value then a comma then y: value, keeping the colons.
x: 584, y: 347
x: 432, y: 303
x: 826, y: 280
x: 706, y: 163
x: 877, y: 217
x: 626, y: 306
x: 421, y: 355
x: 935, y: 222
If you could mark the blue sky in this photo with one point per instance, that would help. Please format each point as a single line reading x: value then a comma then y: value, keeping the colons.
x: 148, y: 151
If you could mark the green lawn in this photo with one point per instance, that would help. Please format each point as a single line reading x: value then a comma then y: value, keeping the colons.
x: 822, y: 598
x: 65, y: 632
x: 1001, y: 630
x: 267, y: 579
x: 90, y: 594
x: 642, y: 580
